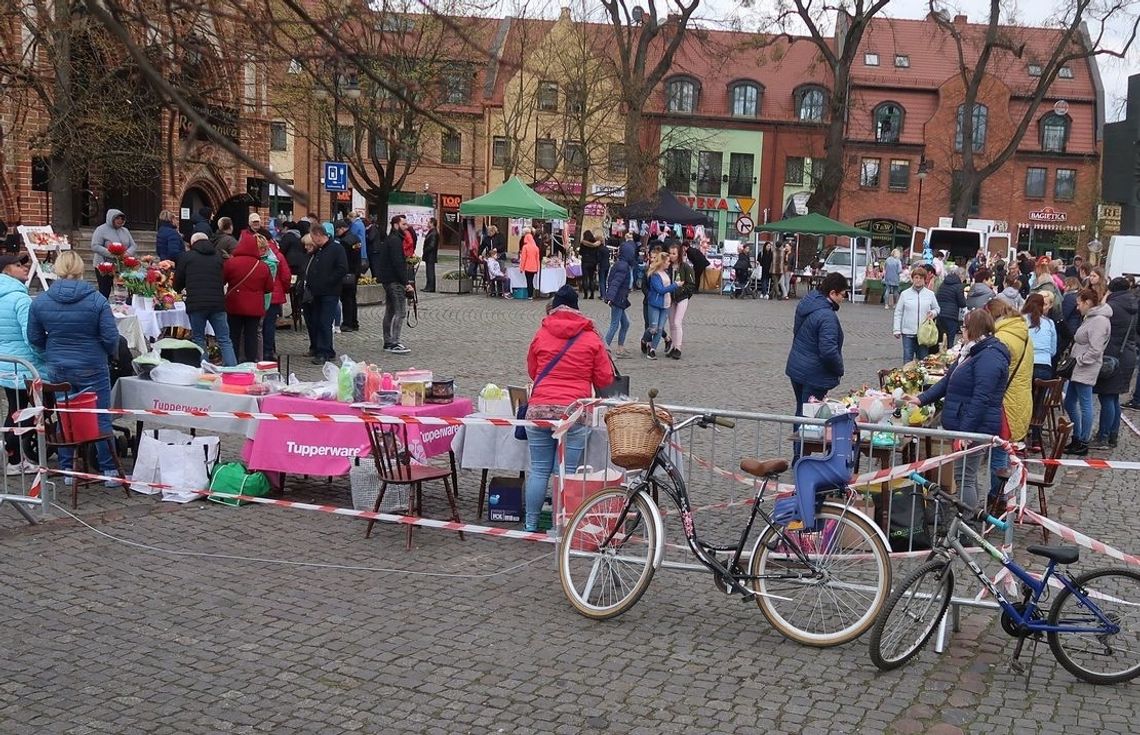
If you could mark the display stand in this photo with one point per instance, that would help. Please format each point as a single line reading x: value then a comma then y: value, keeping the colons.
x: 43, y: 246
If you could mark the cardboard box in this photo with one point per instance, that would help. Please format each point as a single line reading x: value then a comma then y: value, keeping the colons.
x: 505, y: 499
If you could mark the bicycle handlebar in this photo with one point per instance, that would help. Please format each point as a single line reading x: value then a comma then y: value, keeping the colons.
x: 970, y: 512
x: 704, y: 419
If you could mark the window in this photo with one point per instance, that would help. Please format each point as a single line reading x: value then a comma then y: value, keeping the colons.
x: 574, y: 153
x: 1065, y: 185
x: 816, y: 171
x: 871, y: 59
x: 888, y: 119
x: 575, y: 100
x: 682, y: 95
x: 869, y: 173
x: 546, y: 155
x: 500, y: 152
x: 902, y: 61
x: 1035, y: 183
x: 615, y: 163
x: 745, y: 99
x: 451, y: 148
x: 740, y: 174
x: 1034, y: 70
x: 678, y: 164
x: 794, y: 170
x: 1054, y: 132
x: 709, y: 172
x: 379, y: 147
x: 548, y: 96
x: 975, y: 201
x: 898, y: 178
x: 345, y: 142
x: 278, y: 136
x: 809, y: 103
x: 456, y: 85
x: 979, y: 122
x: 1065, y: 72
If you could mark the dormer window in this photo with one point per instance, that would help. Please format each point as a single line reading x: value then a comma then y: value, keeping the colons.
x: 810, y: 101
x: 871, y: 59
x: 681, y: 95
x: 744, y: 99
x: 888, y: 120
x: 1054, y: 132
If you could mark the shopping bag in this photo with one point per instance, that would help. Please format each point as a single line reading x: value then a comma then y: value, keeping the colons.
x: 495, y: 407
x: 186, y: 467
x: 232, y: 478
x: 928, y: 333
x: 151, y: 446
x: 576, y: 486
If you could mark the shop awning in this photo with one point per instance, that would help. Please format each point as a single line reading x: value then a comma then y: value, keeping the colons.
x: 813, y: 223
x: 1049, y: 226
x: 513, y: 199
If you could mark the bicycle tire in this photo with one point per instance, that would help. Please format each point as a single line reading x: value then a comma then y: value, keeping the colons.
x: 605, y: 593
x: 1107, y: 598
x: 860, y: 540
x: 934, y: 580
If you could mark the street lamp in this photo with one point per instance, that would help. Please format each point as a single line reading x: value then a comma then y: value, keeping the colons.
x: 924, y: 167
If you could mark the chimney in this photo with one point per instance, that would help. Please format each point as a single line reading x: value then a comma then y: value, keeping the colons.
x: 564, y: 14
x: 961, y: 20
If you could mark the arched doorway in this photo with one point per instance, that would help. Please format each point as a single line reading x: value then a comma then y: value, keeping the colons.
x: 194, y: 199
x: 237, y: 209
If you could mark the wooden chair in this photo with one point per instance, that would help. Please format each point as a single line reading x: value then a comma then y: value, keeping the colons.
x: 394, y: 467
x: 55, y: 395
x: 1048, y: 397
x: 1044, y: 481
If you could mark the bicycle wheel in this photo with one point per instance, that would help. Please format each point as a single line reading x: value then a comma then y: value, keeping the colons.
x: 912, y: 614
x: 606, y: 567
x: 834, y: 596
x: 1099, y: 657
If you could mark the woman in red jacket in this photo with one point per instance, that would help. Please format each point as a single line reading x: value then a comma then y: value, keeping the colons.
x: 248, y: 280
x: 567, y: 361
x: 529, y: 260
x: 282, y: 282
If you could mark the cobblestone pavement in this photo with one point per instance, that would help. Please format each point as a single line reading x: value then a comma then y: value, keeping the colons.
x: 159, y: 618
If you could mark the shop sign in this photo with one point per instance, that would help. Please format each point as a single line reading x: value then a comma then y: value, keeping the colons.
x: 885, y: 230
x: 1109, y: 216
x: 712, y: 203
x: 617, y: 191
x: 594, y: 209
x: 557, y: 187
x: 343, y: 196
x: 1047, y: 214
x: 450, y: 201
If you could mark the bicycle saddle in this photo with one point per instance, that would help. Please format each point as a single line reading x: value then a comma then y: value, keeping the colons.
x: 763, y: 467
x: 1059, y: 554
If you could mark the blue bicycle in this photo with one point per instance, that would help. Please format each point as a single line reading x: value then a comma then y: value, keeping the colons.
x: 1093, y: 624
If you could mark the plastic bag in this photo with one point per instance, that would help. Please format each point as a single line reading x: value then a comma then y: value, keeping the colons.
x: 173, y: 373
x: 928, y: 333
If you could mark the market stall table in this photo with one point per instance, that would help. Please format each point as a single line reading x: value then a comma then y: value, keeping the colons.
x: 130, y: 329
x: 140, y: 394
x: 548, y: 280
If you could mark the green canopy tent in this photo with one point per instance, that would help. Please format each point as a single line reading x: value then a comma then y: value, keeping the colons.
x: 818, y: 225
x: 513, y: 199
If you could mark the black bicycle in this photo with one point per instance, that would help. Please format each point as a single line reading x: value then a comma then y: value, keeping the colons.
x: 819, y: 571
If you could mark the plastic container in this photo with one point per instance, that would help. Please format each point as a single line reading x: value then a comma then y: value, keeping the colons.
x: 80, y: 427
x: 235, y: 379
x: 518, y: 293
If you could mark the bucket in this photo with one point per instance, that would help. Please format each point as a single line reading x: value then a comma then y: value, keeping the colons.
x: 80, y: 427
x: 518, y: 293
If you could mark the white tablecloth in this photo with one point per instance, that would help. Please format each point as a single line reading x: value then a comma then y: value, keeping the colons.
x: 129, y: 327
x: 487, y: 447
x: 152, y: 322
x: 548, y: 280
x: 136, y: 393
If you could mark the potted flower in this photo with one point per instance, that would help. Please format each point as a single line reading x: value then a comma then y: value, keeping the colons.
x: 454, y: 282
x: 369, y: 291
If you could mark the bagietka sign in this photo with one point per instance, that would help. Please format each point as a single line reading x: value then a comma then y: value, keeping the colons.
x: 1048, y: 214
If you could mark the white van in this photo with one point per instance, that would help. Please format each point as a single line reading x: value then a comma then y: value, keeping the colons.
x: 961, y: 242
x: 1123, y: 258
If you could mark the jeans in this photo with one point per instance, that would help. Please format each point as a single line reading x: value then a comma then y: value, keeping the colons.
x: 543, y: 457
x: 676, y: 320
x: 1078, y: 404
x: 269, y: 332
x: 618, y: 321
x: 221, y: 326
x: 658, y: 317
x: 395, y: 309
x: 891, y: 294
x: 97, y: 381
x: 319, y: 315
x: 912, y: 350
x: 966, y: 473
x: 1135, y: 400
x: 1109, y: 415
x: 603, y: 275
x: 244, y: 331
x: 348, y: 306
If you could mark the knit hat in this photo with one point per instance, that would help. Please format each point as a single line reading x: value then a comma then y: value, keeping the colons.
x: 1119, y: 284
x: 198, y: 237
x: 566, y: 296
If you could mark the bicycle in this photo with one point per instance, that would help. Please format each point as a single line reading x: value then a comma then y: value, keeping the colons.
x: 1087, y: 617
x: 819, y: 571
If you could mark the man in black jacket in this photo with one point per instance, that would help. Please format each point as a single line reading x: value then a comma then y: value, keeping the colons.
x: 431, y: 254
x: 351, y: 245
x: 390, y: 268
x: 199, y: 272
x: 323, y: 276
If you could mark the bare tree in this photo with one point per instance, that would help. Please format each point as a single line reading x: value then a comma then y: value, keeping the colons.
x: 1081, y: 29
x: 644, y: 47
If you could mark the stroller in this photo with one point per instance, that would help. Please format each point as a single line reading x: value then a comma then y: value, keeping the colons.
x: 746, y: 282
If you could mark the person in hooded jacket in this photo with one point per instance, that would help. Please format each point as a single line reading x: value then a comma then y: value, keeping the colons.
x: 282, y: 279
x: 15, y: 303
x: 201, y: 221
x: 973, y: 389
x: 113, y: 230
x: 1017, y: 398
x: 1122, y: 344
x: 168, y: 242
x: 199, y: 274
x: 980, y: 291
x: 567, y: 361
x: 1089, y: 344
x: 248, y: 281
x: 617, y: 295
x: 815, y: 360
x: 530, y: 260
x: 72, y: 325
x: 951, y: 297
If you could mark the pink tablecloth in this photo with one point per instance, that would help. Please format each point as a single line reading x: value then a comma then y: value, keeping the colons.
x: 328, y: 449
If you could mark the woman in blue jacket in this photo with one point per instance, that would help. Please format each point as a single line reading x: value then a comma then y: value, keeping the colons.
x: 73, y: 326
x: 14, y: 306
x: 974, y: 389
x: 168, y: 243
x: 815, y: 361
x: 617, y: 294
x: 658, y: 296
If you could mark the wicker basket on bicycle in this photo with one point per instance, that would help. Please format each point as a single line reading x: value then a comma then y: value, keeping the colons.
x: 634, y: 436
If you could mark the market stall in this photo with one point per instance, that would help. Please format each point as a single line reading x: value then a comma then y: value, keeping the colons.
x: 817, y: 225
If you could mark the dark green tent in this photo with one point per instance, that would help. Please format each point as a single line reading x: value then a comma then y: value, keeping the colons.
x: 513, y: 199
x: 813, y: 223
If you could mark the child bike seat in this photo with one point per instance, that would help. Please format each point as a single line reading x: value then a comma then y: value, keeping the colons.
x: 818, y: 474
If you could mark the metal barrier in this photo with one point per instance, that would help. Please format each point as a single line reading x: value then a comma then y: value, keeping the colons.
x: 26, y: 492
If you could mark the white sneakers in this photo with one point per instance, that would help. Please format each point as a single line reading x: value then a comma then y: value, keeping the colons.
x: 20, y: 468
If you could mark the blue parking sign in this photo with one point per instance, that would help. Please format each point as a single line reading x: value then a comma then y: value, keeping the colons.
x: 336, y: 176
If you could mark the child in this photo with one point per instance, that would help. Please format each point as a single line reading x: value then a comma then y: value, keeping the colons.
x: 496, y: 279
